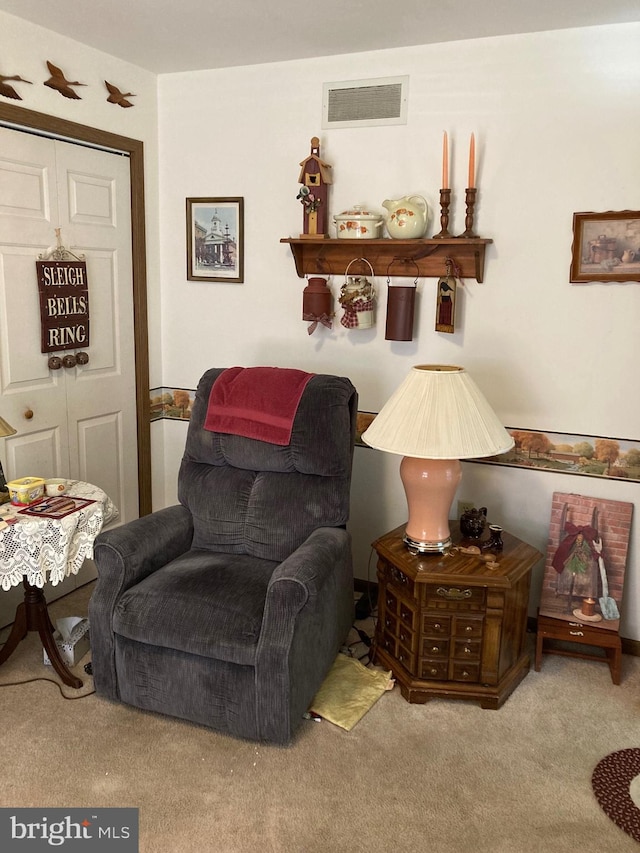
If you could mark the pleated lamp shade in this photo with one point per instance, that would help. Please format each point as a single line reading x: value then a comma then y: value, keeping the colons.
x: 438, y: 413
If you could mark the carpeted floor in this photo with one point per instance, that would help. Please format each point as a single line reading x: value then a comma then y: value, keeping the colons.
x: 445, y: 777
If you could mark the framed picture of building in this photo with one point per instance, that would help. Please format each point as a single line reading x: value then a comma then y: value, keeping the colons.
x: 215, y: 239
x: 586, y: 560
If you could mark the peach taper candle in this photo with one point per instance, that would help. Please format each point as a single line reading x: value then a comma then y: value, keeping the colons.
x: 445, y: 162
x: 472, y: 162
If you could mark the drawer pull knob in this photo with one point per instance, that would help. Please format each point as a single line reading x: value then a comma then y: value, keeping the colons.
x: 437, y: 626
x: 435, y: 649
x: 467, y: 650
x: 469, y: 629
x: 577, y: 633
x: 453, y: 593
x: 433, y: 671
x: 465, y: 674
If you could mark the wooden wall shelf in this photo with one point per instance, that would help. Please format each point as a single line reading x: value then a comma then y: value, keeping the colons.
x: 405, y: 258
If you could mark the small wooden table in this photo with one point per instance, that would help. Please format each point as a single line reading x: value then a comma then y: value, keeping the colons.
x: 448, y: 625
x: 579, y: 634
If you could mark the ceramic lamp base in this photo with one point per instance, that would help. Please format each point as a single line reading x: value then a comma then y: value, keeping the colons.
x: 430, y: 486
x: 418, y: 547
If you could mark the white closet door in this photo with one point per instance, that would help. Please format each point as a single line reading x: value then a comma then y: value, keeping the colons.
x: 78, y: 422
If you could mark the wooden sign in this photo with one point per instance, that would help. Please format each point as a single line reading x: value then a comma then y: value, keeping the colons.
x: 64, y: 305
x: 446, y: 304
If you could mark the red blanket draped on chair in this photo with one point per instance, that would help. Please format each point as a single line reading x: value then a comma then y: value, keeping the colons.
x: 256, y: 402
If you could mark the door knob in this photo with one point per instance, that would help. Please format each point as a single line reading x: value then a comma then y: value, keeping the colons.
x: 69, y: 361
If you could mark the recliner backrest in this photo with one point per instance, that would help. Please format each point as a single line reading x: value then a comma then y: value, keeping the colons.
x: 253, y: 497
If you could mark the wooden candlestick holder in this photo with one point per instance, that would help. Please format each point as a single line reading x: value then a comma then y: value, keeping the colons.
x: 445, y: 201
x: 470, y: 201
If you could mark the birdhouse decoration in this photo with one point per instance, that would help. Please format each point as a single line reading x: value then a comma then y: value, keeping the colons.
x: 315, y: 177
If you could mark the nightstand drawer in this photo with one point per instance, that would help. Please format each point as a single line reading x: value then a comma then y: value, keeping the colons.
x: 455, y: 597
x: 434, y: 670
x: 463, y: 671
x: 388, y: 643
x: 390, y: 602
x: 435, y: 647
x: 390, y: 623
x: 435, y: 626
x: 406, y: 637
x: 406, y: 657
x: 467, y: 626
x: 394, y: 577
x: 407, y: 615
x: 467, y: 650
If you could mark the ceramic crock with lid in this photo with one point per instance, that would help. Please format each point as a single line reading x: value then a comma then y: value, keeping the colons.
x: 358, y: 223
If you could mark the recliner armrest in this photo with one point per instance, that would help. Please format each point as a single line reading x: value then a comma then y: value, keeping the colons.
x: 123, y: 557
x: 309, y: 598
x: 312, y: 563
x: 127, y: 554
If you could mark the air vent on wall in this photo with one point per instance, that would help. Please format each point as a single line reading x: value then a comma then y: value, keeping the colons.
x: 365, y: 103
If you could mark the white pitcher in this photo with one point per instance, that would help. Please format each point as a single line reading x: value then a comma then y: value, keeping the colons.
x: 407, y: 218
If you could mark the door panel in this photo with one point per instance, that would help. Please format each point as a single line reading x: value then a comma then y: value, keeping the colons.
x: 84, y: 418
x: 100, y: 438
x: 95, y: 208
x: 91, y: 199
x: 26, y: 172
x: 45, y: 451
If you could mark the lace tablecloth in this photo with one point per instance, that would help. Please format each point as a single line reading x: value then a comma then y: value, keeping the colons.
x: 51, y: 549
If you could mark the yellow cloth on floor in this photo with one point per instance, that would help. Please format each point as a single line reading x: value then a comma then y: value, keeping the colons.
x: 349, y: 691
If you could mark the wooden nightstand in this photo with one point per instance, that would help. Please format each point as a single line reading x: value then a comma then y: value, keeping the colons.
x: 449, y: 626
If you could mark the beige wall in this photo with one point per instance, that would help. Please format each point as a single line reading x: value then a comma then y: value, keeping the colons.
x: 555, y: 133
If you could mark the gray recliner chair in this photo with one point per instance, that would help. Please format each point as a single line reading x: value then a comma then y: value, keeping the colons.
x: 228, y: 609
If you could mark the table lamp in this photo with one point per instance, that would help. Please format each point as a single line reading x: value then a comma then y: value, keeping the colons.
x: 5, y: 429
x: 436, y: 417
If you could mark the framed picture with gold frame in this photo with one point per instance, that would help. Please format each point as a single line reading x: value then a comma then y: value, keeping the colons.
x: 606, y: 246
